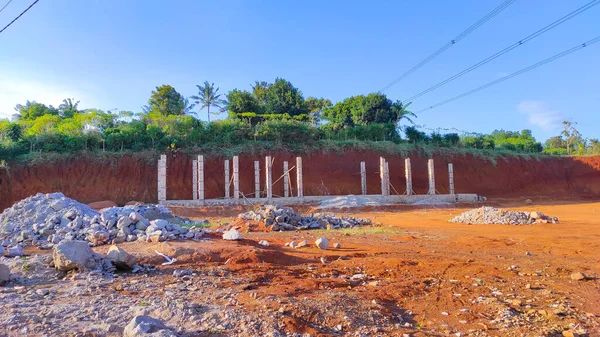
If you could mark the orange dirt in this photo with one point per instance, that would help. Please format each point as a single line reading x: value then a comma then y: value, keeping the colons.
x: 128, y: 177
x: 416, y: 262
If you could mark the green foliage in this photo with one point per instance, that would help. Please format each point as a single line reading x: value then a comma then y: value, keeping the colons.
x: 243, y: 102
x: 363, y: 110
x: 286, y: 131
x: 32, y: 110
x: 165, y: 100
x: 282, y: 97
x: 208, y: 97
x: 414, y: 135
x: 278, y: 100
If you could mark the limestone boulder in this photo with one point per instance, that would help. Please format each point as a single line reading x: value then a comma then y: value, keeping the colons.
x: 120, y: 258
x: 70, y: 255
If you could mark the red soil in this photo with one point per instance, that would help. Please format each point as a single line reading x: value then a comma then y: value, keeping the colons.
x: 132, y: 178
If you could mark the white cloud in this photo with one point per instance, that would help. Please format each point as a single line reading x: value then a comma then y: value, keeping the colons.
x: 15, y: 91
x: 540, y: 114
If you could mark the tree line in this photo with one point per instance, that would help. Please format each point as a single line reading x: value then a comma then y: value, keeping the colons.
x: 275, y: 112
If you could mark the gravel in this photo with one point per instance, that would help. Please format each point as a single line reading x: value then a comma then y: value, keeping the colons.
x: 286, y: 218
x: 491, y: 215
x: 45, y: 220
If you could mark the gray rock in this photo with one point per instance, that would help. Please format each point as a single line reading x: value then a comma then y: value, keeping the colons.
x: 135, y: 217
x: 98, y: 237
x: 160, y: 223
x: 141, y: 326
x: 4, y: 274
x: 322, y: 243
x: 120, y: 258
x: 232, y: 234
x: 70, y: 255
x: 123, y: 222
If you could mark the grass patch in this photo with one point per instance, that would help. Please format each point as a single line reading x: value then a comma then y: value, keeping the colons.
x: 364, y: 230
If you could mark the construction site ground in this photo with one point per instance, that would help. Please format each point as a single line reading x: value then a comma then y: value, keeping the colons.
x: 412, y: 273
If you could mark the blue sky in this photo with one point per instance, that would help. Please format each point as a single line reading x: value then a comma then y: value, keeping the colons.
x: 111, y: 54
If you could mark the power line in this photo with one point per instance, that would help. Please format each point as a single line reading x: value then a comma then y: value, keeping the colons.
x: 524, y: 70
x: 9, y: 1
x: 507, y: 49
x: 15, y: 19
x: 452, y: 42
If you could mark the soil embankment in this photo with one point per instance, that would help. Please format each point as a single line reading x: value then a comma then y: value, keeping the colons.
x: 129, y: 177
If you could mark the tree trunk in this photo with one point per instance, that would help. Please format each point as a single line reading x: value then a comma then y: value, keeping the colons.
x: 208, y: 112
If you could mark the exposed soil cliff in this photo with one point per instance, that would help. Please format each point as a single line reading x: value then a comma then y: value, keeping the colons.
x: 129, y: 177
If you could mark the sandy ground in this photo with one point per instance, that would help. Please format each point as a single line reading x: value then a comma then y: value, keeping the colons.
x: 413, y: 273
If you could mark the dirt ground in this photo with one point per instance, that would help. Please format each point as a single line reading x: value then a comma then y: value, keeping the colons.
x: 450, y: 278
x: 411, y: 274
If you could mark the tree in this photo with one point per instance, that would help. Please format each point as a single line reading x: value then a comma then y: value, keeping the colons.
x: 68, y: 109
x: 242, y: 102
x: 187, y: 106
x: 154, y: 132
x: 572, y: 136
x: 208, y: 96
x: 282, y: 97
x: 316, y: 107
x: 364, y: 110
x: 165, y: 100
x: 32, y: 110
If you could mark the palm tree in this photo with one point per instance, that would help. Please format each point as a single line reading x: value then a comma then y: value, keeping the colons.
x: 207, y: 97
x: 187, y: 106
x: 405, y: 114
x: 68, y: 108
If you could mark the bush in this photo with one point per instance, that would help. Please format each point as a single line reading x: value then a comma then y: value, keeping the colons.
x: 286, y: 131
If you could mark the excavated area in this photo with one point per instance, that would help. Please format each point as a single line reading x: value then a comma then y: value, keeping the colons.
x: 412, y: 273
x: 130, y: 177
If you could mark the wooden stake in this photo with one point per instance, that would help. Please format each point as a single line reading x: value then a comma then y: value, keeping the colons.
x: 194, y: 180
x: 299, y: 177
x: 257, y: 179
x: 236, y: 178
x: 363, y: 178
x: 286, y: 180
x: 227, y: 185
x: 201, y: 177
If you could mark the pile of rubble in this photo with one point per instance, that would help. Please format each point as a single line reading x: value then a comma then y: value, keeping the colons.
x: 286, y: 218
x: 491, y: 215
x: 47, y: 219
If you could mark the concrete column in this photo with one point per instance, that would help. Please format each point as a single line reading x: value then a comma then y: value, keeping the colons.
x: 236, y: 178
x: 451, y: 178
x: 227, y: 185
x: 200, y: 177
x: 387, y: 178
x: 194, y: 180
x: 257, y: 179
x: 430, y: 170
x: 162, y: 178
x: 286, y: 180
x: 408, y: 176
x: 299, y: 184
x: 269, y: 177
x: 382, y: 175
x: 363, y: 178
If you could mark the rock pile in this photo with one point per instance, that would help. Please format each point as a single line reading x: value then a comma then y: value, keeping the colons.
x: 47, y: 219
x: 491, y: 215
x: 286, y: 218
